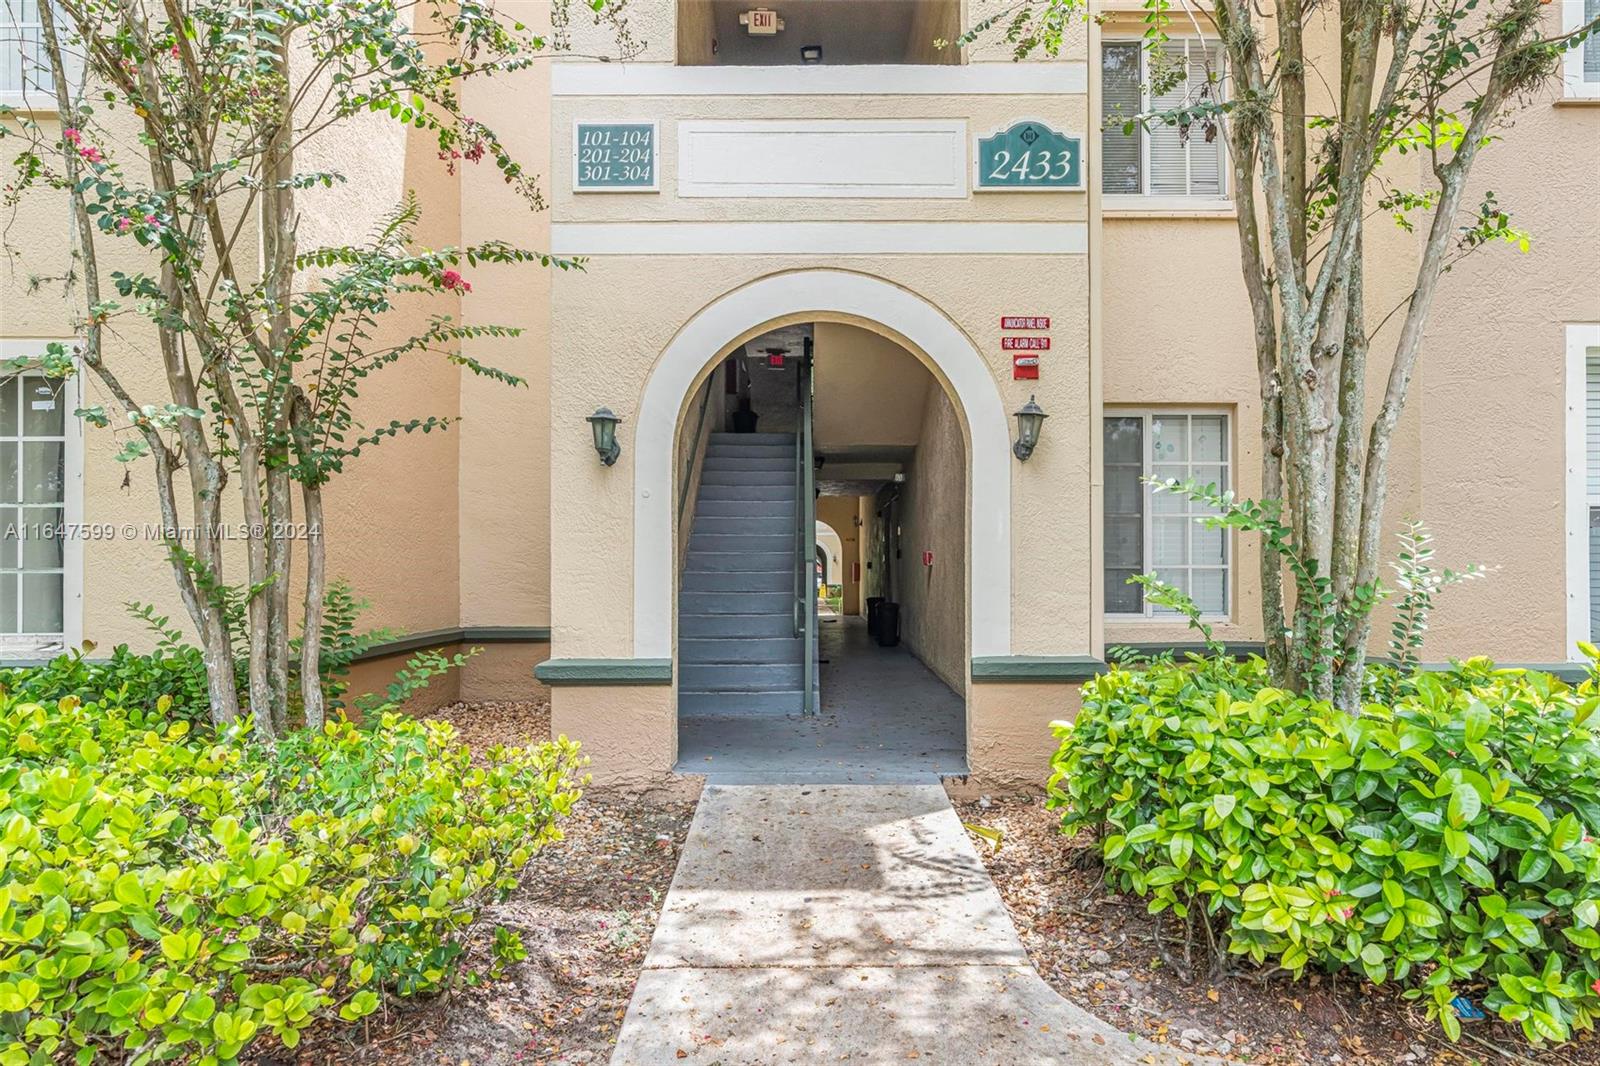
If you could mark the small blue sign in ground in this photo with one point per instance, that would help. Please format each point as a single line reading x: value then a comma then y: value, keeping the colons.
x: 1029, y: 155
x: 614, y: 156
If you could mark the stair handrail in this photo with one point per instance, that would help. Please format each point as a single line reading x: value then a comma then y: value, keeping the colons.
x: 808, y: 524
x: 694, y: 449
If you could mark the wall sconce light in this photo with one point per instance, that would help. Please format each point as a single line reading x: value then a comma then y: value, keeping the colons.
x: 604, y: 424
x: 1030, y: 419
x: 810, y: 54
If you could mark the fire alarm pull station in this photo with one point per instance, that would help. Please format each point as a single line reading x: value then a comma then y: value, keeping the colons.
x: 927, y: 558
x: 762, y: 22
x: 1024, y: 368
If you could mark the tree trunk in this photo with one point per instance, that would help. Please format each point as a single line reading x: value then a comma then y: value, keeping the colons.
x: 316, y: 569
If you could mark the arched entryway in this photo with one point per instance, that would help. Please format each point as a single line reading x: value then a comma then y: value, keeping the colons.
x: 823, y: 295
x: 909, y: 452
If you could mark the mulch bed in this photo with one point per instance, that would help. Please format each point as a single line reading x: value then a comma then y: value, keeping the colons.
x: 1098, y: 949
x: 586, y: 911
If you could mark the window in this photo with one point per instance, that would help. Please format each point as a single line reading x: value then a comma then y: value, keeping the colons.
x: 1583, y: 486
x: 1158, y: 531
x: 34, y: 458
x: 1581, y: 66
x: 1162, y: 160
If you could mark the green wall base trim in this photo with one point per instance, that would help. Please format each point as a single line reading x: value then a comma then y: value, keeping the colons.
x: 604, y: 671
x: 1036, y: 668
x: 434, y: 638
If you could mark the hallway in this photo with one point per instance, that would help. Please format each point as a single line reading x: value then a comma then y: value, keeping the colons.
x: 885, y: 717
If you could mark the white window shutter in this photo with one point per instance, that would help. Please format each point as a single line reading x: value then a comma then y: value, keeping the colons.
x: 1119, y: 102
x: 1169, y: 157
x: 1205, y: 158
x: 1591, y: 47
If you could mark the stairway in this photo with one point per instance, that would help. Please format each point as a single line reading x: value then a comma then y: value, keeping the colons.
x: 737, y: 652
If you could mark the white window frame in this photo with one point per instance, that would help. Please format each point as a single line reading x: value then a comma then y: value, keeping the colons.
x: 1581, y: 339
x: 17, y: 646
x: 1573, y: 87
x: 1146, y: 441
x: 1146, y: 201
x: 44, y: 100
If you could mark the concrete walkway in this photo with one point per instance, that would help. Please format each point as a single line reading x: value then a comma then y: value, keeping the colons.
x: 846, y: 923
x: 884, y: 718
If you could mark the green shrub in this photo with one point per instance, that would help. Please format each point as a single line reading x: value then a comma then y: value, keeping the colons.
x: 173, y: 895
x: 1443, y: 839
x: 126, y: 679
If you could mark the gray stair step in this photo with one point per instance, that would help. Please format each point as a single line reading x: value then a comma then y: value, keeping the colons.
x: 774, y: 704
x: 740, y: 677
x: 748, y: 477
x: 720, y: 461
x: 783, y: 491
x: 736, y: 582
x: 786, y: 509
x: 780, y: 603
x: 740, y: 562
x: 736, y: 524
x: 764, y: 543
x: 719, y: 438
x: 713, y: 626
x: 783, y: 649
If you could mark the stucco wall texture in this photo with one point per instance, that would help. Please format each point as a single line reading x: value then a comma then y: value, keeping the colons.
x: 508, y: 520
x: 933, y: 515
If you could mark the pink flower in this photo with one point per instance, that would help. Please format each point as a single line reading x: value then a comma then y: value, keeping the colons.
x: 174, y: 50
x: 1346, y: 913
x: 71, y: 135
x: 124, y: 224
x: 453, y: 281
x: 1596, y: 987
x: 152, y: 220
x: 92, y: 154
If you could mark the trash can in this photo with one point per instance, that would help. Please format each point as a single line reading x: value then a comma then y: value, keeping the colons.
x: 873, y: 603
x: 888, y: 624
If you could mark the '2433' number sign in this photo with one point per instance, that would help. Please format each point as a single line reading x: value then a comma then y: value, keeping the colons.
x: 1029, y: 155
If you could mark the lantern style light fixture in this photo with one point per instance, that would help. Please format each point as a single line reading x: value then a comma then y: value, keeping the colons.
x: 604, y: 424
x: 1030, y: 420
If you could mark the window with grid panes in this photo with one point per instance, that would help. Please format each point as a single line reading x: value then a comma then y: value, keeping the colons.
x: 24, y: 66
x: 1148, y: 531
x: 33, y: 451
x: 1161, y: 160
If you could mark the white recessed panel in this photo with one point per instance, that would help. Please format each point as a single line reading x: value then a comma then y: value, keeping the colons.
x: 868, y: 158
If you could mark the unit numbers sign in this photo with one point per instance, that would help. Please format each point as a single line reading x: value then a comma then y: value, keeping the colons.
x: 1029, y: 155
x: 614, y: 156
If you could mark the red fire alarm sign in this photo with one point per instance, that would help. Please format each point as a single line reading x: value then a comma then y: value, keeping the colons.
x: 1024, y: 321
x: 1024, y: 367
x: 1025, y: 344
x: 927, y: 558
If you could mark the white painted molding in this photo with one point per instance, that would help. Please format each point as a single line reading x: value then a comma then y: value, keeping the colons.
x: 879, y: 158
x: 1066, y: 78
x: 819, y: 238
x: 822, y: 292
x: 1573, y: 85
x: 72, y: 514
x: 1580, y: 339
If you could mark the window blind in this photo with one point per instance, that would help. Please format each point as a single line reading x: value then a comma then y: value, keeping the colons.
x: 1119, y: 102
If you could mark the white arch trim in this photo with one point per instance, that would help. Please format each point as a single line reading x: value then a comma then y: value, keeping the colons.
x: 822, y: 292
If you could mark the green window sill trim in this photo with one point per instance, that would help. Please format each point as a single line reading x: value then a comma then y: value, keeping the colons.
x: 1036, y: 668
x: 604, y: 671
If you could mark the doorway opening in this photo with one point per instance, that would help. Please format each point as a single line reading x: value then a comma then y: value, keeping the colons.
x: 880, y: 547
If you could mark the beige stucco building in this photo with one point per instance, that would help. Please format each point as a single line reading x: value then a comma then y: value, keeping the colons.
x: 877, y: 253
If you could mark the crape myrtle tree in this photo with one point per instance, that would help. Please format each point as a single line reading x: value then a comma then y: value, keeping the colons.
x: 180, y: 123
x: 1430, y: 80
